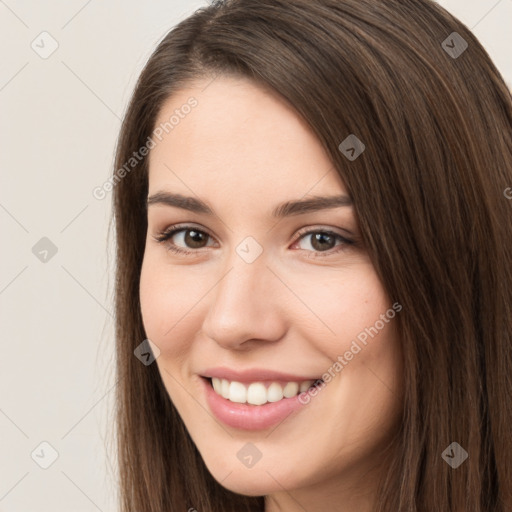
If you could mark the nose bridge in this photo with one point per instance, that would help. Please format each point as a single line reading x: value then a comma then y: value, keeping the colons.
x: 241, y: 307
x: 245, y: 268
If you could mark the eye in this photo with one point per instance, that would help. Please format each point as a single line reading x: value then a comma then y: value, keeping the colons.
x: 189, y: 235
x: 323, y: 241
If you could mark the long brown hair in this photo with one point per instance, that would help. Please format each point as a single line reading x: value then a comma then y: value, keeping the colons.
x: 435, y: 116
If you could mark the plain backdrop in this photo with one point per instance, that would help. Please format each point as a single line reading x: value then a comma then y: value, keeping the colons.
x: 60, y: 115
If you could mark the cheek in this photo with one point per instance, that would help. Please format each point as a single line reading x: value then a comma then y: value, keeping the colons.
x: 347, y: 303
x: 154, y: 300
x: 168, y: 317
x: 166, y: 306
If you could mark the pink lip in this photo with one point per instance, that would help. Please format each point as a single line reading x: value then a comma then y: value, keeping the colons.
x: 254, y: 375
x: 247, y: 416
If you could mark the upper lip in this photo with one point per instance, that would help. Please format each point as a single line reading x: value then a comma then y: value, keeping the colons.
x: 253, y: 375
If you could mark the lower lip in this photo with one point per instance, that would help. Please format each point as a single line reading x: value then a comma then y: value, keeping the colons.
x: 247, y: 416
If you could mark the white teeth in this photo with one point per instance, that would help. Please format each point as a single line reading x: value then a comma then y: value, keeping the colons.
x: 237, y: 392
x: 274, y: 392
x: 291, y: 389
x: 224, y: 388
x: 257, y: 393
x: 304, y: 386
x: 217, y: 385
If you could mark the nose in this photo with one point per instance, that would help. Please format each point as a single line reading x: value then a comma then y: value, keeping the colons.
x: 246, y: 305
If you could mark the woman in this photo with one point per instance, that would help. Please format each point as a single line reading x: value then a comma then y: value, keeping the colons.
x: 271, y: 373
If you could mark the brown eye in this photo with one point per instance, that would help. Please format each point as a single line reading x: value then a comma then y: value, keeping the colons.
x: 322, y: 241
x: 188, y: 240
x: 193, y: 238
x: 183, y: 239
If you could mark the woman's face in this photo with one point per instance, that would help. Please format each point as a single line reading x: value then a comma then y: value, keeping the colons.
x: 264, y: 301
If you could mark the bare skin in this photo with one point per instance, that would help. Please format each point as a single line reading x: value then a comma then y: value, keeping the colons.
x: 296, y: 308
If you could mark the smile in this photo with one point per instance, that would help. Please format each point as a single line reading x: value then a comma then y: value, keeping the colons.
x: 253, y: 405
x: 258, y: 393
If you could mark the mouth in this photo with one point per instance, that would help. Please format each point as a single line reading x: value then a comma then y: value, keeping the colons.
x: 258, y: 393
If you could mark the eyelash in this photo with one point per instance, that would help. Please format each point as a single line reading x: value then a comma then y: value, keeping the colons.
x: 168, y: 233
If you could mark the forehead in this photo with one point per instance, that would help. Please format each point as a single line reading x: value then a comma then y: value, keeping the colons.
x: 234, y: 136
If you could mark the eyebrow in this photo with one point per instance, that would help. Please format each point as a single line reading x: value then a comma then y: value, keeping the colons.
x: 286, y: 209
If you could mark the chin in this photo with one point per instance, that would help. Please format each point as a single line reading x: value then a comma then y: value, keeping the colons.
x: 248, y: 483
x: 265, y: 477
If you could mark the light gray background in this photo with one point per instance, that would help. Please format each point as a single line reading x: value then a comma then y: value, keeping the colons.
x: 60, y: 117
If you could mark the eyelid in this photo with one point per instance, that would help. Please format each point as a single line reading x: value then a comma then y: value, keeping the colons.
x: 328, y: 229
